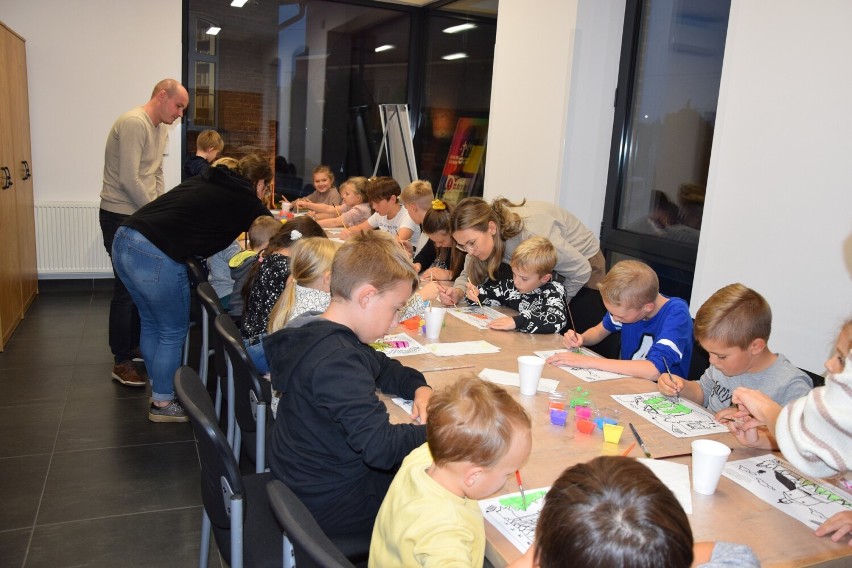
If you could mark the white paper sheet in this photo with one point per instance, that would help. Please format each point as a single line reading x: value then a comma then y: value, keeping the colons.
x: 399, y: 345
x: 509, y: 379
x: 588, y: 375
x: 512, y: 519
x: 681, y: 418
x: 773, y: 480
x: 675, y: 476
x: 475, y: 315
x: 461, y: 348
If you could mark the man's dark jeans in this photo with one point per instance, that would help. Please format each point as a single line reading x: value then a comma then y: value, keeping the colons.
x: 123, y: 315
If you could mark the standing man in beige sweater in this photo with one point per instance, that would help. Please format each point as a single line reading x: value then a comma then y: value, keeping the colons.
x: 133, y: 176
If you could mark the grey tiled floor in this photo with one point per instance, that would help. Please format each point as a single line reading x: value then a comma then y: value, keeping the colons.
x: 85, y: 478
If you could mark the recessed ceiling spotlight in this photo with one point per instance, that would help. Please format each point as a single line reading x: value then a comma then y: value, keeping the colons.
x: 453, y: 56
x: 386, y: 47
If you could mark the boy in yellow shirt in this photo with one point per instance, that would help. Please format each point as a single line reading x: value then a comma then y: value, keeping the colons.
x: 478, y: 435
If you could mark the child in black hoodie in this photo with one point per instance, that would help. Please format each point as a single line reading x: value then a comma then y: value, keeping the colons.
x: 332, y: 443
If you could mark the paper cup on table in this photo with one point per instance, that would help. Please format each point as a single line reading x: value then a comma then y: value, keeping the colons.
x: 708, y: 461
x: 529, y: 373
x: 285, y: 206
x: 434, y: 320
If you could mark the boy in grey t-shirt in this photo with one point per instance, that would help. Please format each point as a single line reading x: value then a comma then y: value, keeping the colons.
x: 733, y: 327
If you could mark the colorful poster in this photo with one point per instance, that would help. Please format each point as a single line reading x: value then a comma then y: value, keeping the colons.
x: 681, y: 418
x: 464, y: 160
x: 774, y: 481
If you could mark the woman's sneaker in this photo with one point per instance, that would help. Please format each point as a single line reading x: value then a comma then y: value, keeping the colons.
x: 172, y: 412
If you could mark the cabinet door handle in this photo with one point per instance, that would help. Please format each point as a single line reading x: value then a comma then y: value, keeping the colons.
x: 7, y: 177
x: 27, y: 173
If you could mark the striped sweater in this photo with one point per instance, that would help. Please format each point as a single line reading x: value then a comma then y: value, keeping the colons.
x: 815, y: 432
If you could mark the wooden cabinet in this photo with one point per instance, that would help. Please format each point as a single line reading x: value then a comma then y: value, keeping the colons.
x: 18, y: 276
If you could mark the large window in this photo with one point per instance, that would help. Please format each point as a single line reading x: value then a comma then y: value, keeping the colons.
x: 668, y: 89
x: 302, y: 81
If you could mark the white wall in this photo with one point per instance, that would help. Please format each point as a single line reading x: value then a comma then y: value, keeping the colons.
x: 89, y: 61
x: 555, y: 72
x: 778, y: 214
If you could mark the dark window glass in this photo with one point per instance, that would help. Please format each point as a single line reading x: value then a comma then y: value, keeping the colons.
x: 665, y: 116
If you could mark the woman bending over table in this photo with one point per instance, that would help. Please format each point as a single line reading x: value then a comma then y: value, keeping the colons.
x: 199, y: 217
x: 489, y: 235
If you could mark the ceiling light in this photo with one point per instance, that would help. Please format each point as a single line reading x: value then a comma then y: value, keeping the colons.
x: 213, y: 30
x: 452, y: 56
x: 459, y: 28
x: 238, y: 3
x: 385, y: 47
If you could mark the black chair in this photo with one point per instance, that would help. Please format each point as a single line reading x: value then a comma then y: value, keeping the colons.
x: 699, y: 363
x: 250, y: 397
x: 818, y: 380
x: 308, y: 544
x: 211, y: 309
x: 236, y: 507
x: 197, y: 275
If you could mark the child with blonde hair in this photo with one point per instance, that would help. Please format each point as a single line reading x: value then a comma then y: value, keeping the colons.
x: 439, y: 259
x: 526, y: 285
x: 814, y: 432
x: 307, y: 289
x: 656, y: 331
x: 324, y: 190
x: 733, y: 326
x: 354, y: 210
x: 208, y: 146
x: 332, y: 442
x: 478, y: 436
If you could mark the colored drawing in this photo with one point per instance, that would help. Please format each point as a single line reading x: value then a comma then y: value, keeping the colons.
x: 773, y: 480
x: 477, y: 316
x: 588, y: 375
x: 398, y: 345
x: 512, y: 519
x: 682, y: 419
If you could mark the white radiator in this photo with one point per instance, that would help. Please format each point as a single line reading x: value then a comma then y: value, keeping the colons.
x: 69, y: 243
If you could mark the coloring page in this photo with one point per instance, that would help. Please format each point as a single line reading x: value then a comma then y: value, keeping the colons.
x: 681, y: 418
x: 398, y: 345
x: 588, y: 375
x: 514, y: 521
x: 809, y: 501
x: 406, y: 405
x: 461, y: 348
x: 475, y: 315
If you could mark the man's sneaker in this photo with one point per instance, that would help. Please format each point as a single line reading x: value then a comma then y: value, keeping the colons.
x: 136, y: 355
x: 127, y: 375
x: 173, y: 412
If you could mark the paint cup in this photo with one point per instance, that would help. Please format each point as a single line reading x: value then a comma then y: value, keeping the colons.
x: 583, y: 412
x: 612, y: 432
x: 708, y: 461
x: 434, y: 321
x: 529, y: 373
x: 585, y: 426
x: 606, y: 415
x: 556, y: 408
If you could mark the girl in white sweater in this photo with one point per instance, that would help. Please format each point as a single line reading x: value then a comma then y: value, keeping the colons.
x: 812, y: 432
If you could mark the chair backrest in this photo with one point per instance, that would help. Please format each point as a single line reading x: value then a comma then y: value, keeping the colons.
x: 211, y: 304
x: 220, y: 474
x: 249, y: 391
x: 197, y: 274
x: 311, y: 545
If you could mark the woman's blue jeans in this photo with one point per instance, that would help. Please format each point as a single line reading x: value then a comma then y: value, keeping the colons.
x: 159, y: 287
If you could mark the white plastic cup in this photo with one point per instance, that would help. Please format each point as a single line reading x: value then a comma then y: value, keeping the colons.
x: 285, y: 206
x: 529, y: 373
x: 434, y: 320
x: 708, y: 461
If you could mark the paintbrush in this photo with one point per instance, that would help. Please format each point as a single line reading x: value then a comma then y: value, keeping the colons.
x: 341, y: 216
x: 671, y: 380
x: 477, y: 298
x: 521, y: 488
x: 639, y: 439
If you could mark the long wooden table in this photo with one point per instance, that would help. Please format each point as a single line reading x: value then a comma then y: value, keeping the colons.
x: 732, y: 514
